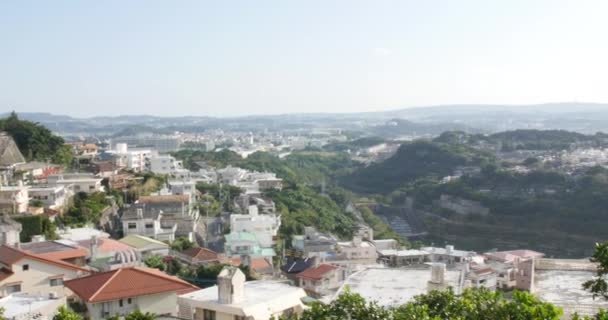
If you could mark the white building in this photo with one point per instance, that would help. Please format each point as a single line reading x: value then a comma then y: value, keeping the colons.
x: 9, y: 231
x: 14, y: 199
x: 136, y: 220
x: 21, y: 306
x: 52, y: 197
x: 77, y: 182
x: 263, y: 226
x: 132, y: 159
x: 235, y: 299
x: 164, y: 164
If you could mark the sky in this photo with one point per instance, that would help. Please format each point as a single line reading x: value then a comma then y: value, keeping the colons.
x: 229, y: 58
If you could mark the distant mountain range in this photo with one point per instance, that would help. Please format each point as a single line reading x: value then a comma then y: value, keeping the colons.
x: 574, y: 116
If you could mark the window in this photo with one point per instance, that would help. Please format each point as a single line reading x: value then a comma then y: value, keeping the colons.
x: 13, y: 289
x: 56, y: 282
x: 129, y: 301
x: 208, y: 314
x: 25, y: 267
x: 149, y: 225
x: 132, y: 225
x: 120, y: 303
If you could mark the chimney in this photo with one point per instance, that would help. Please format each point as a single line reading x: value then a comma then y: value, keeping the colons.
x: 438, y: 273
x: 230, y: 285
x: 94, y: 246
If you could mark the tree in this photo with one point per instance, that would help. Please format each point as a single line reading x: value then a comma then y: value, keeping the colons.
x: 155, y: 261
x: 65, y: 314
x: 138, y: 315
x: 181, y: 244
x: 2, y: 314
x: 598, y: 285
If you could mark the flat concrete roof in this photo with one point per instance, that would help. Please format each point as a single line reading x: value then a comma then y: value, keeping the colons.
x: 392, y: 287
x: 564, y: 287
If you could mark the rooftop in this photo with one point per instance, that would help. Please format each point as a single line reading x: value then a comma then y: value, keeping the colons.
x: 78, y: 234
x: 404, y: 253
x: 57, y: 250
x: 125, y: 283
x: 164, y: 199
x: 202, y: 254
x: 10, y: 255
x: 23, y: 306
x: 393, y: 287
x: 510, y: 256
x: 260, y: 298
x: 139, y: 242
x: 316, y: 273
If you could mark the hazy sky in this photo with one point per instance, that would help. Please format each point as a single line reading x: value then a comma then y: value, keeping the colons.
x: 223, y: 58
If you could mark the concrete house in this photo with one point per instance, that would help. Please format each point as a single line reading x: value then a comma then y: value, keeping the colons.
x: 264, y: 226
x: 14, y: 199
x: 321, y: 280
x: 146, y: 246
x: 77, y: 182
x: 234, y: 299
x: 121, y: 291
x: 30, y: 273
x: 52, y: 197
x: 140, y: 220
x: 9, y: 231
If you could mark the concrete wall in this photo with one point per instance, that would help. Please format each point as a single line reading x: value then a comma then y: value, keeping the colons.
x: 161, y: 303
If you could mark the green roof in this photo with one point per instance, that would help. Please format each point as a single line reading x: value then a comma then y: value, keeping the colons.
x: 138, y: 242
x: 241, y: 236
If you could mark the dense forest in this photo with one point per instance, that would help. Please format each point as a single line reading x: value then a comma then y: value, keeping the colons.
x: 35, y: 141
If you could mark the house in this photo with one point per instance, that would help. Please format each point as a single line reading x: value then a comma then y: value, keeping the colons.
x: 233, y: 298
x: 52, y: 197
x: 9, y: 231
x: 357, y: 249
x: 448, y: 255
x: 30, y: 273
x: 136, y: 159
x: 146, y: 246
x: 482, y: 276
x: 14, y: 199
x: 36, y: 171
x: 513, y: 256
x: 177, y: 210
x: 401, y: 258
x: 293, y: 266
x: 197, y: 255
x: 77, y: 182
x: 321, y: 280
x: 121, y: 291
x: 62, y: 250
x: 313, y: 241
x: 104, y: 169
x: 259, y: 266
x: 245, y: 243
x: 141, y: 220
x: 166, y: 164
x: 10, y: 157
x: 78, y: 234
x: 264, y: 226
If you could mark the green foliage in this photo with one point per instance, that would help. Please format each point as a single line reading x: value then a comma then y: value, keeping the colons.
x: 472, y: 304
x: 353, y: 145
x: 35, y: 141
x: 601, y: 315
x: 598, y: 285
x: 2, y: 314
x: 412, y: 161
x: 181, y: 244
x: 138, y: 315
x: 65, y: 314
x: 217, y: 159
x: 87, y: 209
x: 155, y: 261
x: 302, y: 206
x: 36, y: 225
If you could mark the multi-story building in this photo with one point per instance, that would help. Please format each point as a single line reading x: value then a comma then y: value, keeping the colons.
x: 14, y: 199
x: 52, y: 197
x: 77, y: 182
x: 264, y: 226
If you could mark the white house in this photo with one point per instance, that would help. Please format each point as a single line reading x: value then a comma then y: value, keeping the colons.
x: 165, y: 164
x: 121, y: 291
x: 132, y: 159
x: 33, y: 274
x: 263, y: 226
x: 14, y: 199
x: 52, y: 197
x: 147, y: 222
x: 234, y: 299
x: 9, y: 231
x: 77, y: 182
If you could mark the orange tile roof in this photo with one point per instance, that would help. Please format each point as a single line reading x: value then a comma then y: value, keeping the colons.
x: 201, y: 254
x: 257, y: 264
x: 64, y: 255
x: 316, y: 273
x: 125, y: 283
x: 105, y: 245
x: 10, y: 255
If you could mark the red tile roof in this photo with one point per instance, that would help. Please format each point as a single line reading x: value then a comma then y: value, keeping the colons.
x: 105, y: 245
x: 125, y: 283
x: 10, y: 255
x: 201, y: 254
x: 65, y: 255
x: 257, y: 264
x: 316, y: 273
